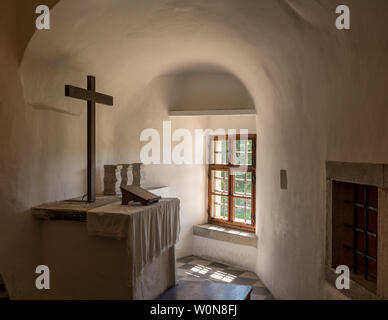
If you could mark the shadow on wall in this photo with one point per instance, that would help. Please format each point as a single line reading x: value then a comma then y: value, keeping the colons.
x: 3, y: 290
x: 202, y: 87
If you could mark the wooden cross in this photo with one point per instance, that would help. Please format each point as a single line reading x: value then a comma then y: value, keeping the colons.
x: 92, y: 97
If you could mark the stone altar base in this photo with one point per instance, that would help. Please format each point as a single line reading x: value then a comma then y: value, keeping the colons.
x: 84, y: 266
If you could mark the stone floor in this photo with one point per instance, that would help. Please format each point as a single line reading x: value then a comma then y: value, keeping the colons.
x: 199, y: 269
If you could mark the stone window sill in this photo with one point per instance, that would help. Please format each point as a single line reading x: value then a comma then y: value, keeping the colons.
x: 227, y: 234
x: 357, y: 291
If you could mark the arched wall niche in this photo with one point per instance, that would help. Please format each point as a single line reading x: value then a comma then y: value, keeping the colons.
x: 130, y: 46
x: 126, y: 46
x: 203, y: 89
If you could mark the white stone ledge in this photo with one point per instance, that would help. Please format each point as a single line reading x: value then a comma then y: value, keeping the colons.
x: 362, y: 173
x: 221, y: 233
x: 214, y: 112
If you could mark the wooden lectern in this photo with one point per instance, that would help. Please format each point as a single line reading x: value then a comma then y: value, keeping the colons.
x: 138, y: 194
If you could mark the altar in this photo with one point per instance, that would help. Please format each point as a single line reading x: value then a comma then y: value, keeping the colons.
x: 105, y: 250
x: 105, y: 247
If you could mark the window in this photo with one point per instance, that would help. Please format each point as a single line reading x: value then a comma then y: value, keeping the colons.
x: 357, y: 227
x: 354, y: 230
x: 232, y: 180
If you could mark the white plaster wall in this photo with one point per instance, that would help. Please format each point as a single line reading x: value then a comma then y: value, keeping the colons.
x: 328, y: 103
x: 25, y: 165
x: 320, y: 94
x: 203, y: 90
x: 236, y: 255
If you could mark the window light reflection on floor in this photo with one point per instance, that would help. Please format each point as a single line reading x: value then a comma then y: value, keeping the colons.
x: 223, y: 276
x: 198, y: 270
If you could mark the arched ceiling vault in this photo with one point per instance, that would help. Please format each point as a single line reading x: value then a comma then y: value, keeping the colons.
x: 126, y: 44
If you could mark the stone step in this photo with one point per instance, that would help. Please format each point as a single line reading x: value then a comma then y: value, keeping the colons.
x: 206, y: 290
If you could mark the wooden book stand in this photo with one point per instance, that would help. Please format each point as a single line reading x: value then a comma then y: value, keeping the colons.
x: 137, y: 194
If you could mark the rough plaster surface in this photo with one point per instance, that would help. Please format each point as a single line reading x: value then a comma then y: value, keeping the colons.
x: 24, y: 171
x: 199, y: 90
x: 320, y: 94
x: 233, y: 254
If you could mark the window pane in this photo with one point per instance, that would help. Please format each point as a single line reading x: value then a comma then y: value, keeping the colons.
x: 220, y: 158
x: 249, y: 188
x: 242, y: 158
x: 221, y: 152
x: 242, y: 210
x: 220, y: 181
x: 249, y: 216
x: 243, y: 184
x: 242, y: 152
x: 220, y: 145
x: 241, y: 145
x: 250, y: 144
x: 240, y: 202
x: 220, y: 207
x: 240, y: 187
x: 240, y: 175
x: 249, y: 212
x: 243, y: 176
x: 220, y: 174
x: 239, y: 214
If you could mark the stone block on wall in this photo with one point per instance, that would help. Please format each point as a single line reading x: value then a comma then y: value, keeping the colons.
x: 138, y: 173
x: 126, y: 174
x: 117, y: 175
x: 112, y: 179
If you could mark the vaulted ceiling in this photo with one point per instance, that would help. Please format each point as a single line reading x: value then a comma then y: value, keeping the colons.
x: 127, y: 44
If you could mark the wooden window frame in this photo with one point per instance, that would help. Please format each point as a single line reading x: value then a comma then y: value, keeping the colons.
x: 231, y: 184
x: 354, y: 237
x: 371, y: 174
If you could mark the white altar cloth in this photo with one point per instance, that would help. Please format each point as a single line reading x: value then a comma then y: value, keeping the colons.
x: 149, y: 230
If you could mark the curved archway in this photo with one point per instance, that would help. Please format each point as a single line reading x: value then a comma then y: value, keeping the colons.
x: 203, y: 89
x: 126, y: 45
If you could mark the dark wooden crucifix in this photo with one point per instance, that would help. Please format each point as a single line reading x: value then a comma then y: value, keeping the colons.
x: 92, y: 97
